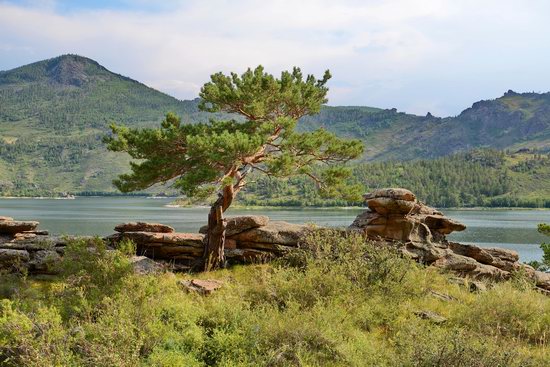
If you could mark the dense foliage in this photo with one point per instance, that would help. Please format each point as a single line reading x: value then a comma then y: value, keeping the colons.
x: 544, y: 264
x: 325, y: 306
x: 477, y: 178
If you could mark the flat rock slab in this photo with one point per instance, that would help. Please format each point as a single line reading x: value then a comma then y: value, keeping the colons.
x: 201, y: 286
x: 282, y: 233
x: 385, y: 206
x: 188, y: 239
x: 16, y: 226
x: 144, y: 227
x: 12, y: 258
x: 144, y: 266
x: 236, y: 225
x: 391, y: 193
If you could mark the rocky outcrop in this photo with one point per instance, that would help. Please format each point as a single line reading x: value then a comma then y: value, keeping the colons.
x: 396, y: 217
x: 236, y: 225
x: 25, y: 249
x: 248, y: 239
x: 144, y: 227
x: 10, y: 226
x: 201, y: 286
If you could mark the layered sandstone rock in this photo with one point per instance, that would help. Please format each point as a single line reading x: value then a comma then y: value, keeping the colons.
x: 144, y: 227
x: 10, y: 226
x: 236, y: 225
x: 248, y: 239
x: 395, y: 216
x: 25, y: 249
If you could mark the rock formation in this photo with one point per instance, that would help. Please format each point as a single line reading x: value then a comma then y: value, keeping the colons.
x: 248, y: 239
x: 23, y: 248
x: 396, y: 217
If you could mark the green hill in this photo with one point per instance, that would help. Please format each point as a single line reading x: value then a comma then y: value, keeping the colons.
x: 477, y: 178
x: 53, y: 114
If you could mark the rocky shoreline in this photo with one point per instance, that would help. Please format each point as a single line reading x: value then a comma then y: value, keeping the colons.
x: 394, y: 217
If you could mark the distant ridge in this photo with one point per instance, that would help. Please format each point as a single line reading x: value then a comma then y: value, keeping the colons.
x: 54, y: 112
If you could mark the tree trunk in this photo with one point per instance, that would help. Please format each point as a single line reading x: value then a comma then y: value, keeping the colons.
x: 214, y: 242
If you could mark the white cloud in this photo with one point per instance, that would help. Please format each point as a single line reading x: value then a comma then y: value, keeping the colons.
x: 414, y: 55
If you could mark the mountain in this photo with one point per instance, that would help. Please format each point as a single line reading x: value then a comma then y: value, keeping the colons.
x: 513, y: 121
x: 53, y: 114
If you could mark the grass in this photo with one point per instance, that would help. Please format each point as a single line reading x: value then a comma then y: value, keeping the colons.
x: 336, y: 302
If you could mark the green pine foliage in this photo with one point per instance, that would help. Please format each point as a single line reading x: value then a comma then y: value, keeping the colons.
x: 216, y: 156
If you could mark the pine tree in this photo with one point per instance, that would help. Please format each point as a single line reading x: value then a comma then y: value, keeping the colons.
x: 204, y: 158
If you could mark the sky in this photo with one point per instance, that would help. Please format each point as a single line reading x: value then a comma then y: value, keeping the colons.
x: 418, y: 56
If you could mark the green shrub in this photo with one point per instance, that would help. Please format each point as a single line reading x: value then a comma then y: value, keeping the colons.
x: 338, y: 301
x: 90, y: 272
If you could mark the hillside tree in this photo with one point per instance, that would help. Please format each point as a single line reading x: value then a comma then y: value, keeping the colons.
x: 203, y: 159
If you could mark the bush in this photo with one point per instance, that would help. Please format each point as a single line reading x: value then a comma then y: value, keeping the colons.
x: 338, y: 301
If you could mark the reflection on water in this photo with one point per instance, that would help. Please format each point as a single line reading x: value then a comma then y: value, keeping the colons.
x: 513, y: 229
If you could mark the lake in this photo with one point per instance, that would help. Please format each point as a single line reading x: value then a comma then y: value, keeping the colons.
x: 511, y: 229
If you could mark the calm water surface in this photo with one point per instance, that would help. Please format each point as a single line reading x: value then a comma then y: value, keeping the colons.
x: 512, y: 229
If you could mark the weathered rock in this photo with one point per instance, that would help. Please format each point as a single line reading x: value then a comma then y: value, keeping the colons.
x: 236, y: 225
x: 281, y: 233
x: 188, y: 239
x: 271, y: 247
x: 395, y: 216
x: 392, y: 193
x: 169, y: 251
x: 466, y: 266
x: 201, y: 286
x: 248, y: 255
x: 144, y: 266
x: 13, y: 259
x: 44, y: 261
x: 431, y: 316
x: 6, y: 219
x: 440, y: 223
x: 385, y: 205
x: 477, y: 287
x: 13, y: 227
x: 144, y: 227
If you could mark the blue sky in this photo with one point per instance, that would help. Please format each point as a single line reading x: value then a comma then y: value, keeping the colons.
x: 414, y: 55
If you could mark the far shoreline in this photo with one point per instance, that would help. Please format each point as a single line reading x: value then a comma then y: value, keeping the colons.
x: 251, y: 207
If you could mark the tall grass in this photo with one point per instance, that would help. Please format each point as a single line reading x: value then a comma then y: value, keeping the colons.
x: 338, y: 301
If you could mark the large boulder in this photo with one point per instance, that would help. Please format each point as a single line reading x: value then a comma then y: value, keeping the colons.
x: 13, y: 226
x: 236, y: 225
x: 144, y: 227
x: 276, y: 232
x: 141, y: 238
x: 144, y: 266
x: 13, y: 259
x: 391, y: 193
x: 395, y: 215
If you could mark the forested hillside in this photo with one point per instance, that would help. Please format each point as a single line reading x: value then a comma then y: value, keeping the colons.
x: 53, y: 116
x: 477, y: 178
x: 54, y: 113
